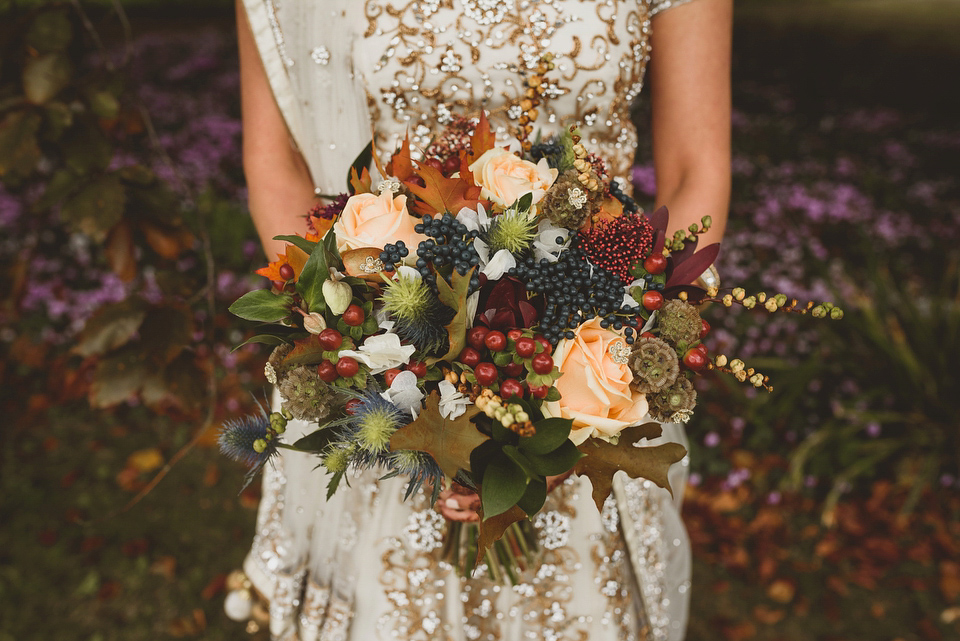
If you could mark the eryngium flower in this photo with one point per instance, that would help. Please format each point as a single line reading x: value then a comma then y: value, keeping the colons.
x: 306, y: 396
x: 675, y: 400
x: 679, y: 322
x: 654, y: 364
x: 245, y: 440
x: 419, y: 314
x: 560, y: 209
x: 512, y: 230
x: 373, y: 422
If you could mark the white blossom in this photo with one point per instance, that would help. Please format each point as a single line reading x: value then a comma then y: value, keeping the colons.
x: 404, y: 393
x: 452, y: 402
x: 382, y: 352
x: 545, y: 245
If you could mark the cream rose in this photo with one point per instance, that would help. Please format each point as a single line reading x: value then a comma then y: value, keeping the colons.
x: 369, y: 220
x: 595, y: 384
x: 504, y: 178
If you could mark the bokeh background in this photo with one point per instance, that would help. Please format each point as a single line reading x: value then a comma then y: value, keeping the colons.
x: 829, y: 509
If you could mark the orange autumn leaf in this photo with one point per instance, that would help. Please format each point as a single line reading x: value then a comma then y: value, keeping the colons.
x: 293, y: 256
x: 441, y: 194
x: 401, y: 164
x: 483, y: 138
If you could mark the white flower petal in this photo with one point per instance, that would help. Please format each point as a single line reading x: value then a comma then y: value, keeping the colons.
x: 452, y: 402
x: 499, y: 265
x: 382, y: 352
x: 404, y: 393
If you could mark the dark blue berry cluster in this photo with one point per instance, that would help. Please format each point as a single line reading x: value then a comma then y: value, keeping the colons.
x: 549, y: 148
x: 449, y: 246
x: 574, y: 292
x: 629, y: 204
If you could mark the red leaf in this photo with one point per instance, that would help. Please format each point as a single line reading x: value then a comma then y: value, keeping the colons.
x: 690, y: 270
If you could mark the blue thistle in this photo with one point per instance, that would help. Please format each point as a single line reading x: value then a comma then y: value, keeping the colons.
x: 369, y: 429
x: 420, y: 316
x: 246, y: 440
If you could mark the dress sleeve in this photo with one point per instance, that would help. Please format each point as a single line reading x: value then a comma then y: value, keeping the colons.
x: 656, y: 6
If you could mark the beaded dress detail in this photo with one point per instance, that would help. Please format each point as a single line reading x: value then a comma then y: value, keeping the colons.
x: 365, y: 565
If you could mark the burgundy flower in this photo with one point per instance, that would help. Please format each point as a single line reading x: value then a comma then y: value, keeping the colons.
x: 504, y: 305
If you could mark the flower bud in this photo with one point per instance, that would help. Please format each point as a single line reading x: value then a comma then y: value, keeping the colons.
x: 818, y: 311
x: 781, y: 299
x: 314, y: 323
x: 720, y: 360
x: 736, y: 365
x: 836, y: 313
x: 337, y: 295
x: 259, y: 446
x: 762, y: 297
x: 757, y: 380
x: 507, y: 420
x: 750, y: 302
x: 739, y: 293
x: 771, y: 305
x: 728, y: 300
x: 522, y: 417
x: 706, y: 222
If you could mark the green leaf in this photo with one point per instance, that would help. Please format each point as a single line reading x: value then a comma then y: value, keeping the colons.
x: 111, y: 327
x: 58, y: 119
x: 60, y: 184
x: 504, y: 483
x: 85, y: 148
x: 553, y: 395
x: 310, y: 283
x: 534, y: 498
x: 298, y: 241
x: 455, y: 298
x: 137, y: 174
x: 524, y: 202
x: 96, y: 208
x: 262, y: 339
x: 551, y: 434
x: 263, y: 306
x: 19, y: 151
x: 559, y: 461
x: 370, y: 325
x: 316, y: 441
x: 517, y: 457
x: 104, y: 104
x: 49, y: 31
x: 45, y: 76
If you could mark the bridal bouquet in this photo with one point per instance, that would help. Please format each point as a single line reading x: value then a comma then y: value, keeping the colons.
x: 489, y: 318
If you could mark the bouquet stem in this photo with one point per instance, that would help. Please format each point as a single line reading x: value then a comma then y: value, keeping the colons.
x: 506, y: 559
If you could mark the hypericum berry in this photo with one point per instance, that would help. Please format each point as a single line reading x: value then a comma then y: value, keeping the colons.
x: 514, y: 334
x: 353, y: 315
x: 702, y: 349
x: 347, y: 366
x: 704, y: 328
x: 327, y: 372
x: 278, y: 284
x: 513, y: 369
x: 420, y: 369
x: 695, y: 359
x: 652, y: 300
x: 330, y: 339
x: 351, y: 406
x: 511, y: 387
x: 469, y: 357
x: 543, y: 342
x: 542, y: 363
x: 495, y: 341
x: 526, y: 347
x: 647, y: 335
x: 655, y: 263
x: 476, y: 335
x: 389, y: 375
x: 286, y: 271
x: 539, y: 391
x: 486, y: 373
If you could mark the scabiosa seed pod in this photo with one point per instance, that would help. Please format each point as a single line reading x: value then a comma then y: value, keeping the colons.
x: 245, y: 440
x: 306, y: 396
x: 563, y: 204
x: 654, y: 364
x: 275, y: 370
x: 675, y: 403
x: 679, y: 322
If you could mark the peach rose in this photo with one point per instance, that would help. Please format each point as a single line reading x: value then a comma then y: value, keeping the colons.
x: 369, y: 220
x: 595, y: 384
x: 504, y: 178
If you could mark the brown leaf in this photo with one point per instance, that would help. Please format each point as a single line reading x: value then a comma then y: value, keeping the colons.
x: 602, y: 460
x: 449, y: 442
x: 165, y: 566
x: 441, y: 194
x: 455, y: 297
x: 111, y: 326
x: 120, y: 252
x: 361, y: 183
x: 168, y: 243
x: 359, y: 263
x: 492, y: 529
x: 483, y: 139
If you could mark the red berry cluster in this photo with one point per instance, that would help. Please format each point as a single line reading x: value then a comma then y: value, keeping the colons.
x: 618, y: 244
x: 534, y: 352
x: 697, y: 357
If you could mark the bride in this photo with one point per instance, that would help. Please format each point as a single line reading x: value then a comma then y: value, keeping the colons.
x: 318, y: 77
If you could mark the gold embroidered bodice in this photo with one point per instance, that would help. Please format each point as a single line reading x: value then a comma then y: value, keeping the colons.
x: 424, y: 61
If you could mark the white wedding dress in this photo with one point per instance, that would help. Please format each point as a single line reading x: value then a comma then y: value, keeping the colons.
x: 363, y: 566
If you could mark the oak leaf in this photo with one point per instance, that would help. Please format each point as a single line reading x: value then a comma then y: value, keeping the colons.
x: 448, y: 441
x: 441, y: 194
x: 401, y: 164
x: 602, y: 460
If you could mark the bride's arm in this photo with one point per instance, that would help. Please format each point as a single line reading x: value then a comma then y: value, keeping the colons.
x: 278, y: 181
x: 690, y: 83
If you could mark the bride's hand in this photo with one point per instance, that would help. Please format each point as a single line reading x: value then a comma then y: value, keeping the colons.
x: 458, y: 503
